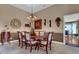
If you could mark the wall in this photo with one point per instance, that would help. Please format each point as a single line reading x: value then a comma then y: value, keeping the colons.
x: 57, y: 11
x: 72, y: 8
x: 52, y: 13
x: 7, y: 13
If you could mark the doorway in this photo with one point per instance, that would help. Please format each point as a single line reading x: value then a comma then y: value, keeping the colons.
x: 71, y: 26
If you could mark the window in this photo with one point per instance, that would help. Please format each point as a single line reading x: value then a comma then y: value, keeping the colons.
x: 71, y: 28
x: 74, y: 25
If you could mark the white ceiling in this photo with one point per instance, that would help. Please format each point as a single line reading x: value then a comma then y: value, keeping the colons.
x: 29, y: 7
x: 71, y: 17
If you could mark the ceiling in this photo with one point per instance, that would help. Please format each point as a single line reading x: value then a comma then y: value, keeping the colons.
x: 32, y: 8
x: 71, y: 17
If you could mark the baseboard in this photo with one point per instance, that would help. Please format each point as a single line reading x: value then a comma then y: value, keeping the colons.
x: 17, y: 40
x: 57, y: 42
x: 10, y: 42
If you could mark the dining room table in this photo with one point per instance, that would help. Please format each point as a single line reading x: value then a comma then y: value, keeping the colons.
x: 39, y: 39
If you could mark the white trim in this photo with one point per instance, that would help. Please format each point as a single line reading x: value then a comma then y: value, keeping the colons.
x: 57, y: 42
x: 10, y: 42
x: 17, y: 40
x: 14, y: 41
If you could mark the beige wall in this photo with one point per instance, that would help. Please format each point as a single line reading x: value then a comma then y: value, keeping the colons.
x: 52, y: 13
x: 7, y: 13
x: 56, y: 11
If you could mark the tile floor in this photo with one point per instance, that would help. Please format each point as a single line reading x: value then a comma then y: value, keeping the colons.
x: 12, y: 48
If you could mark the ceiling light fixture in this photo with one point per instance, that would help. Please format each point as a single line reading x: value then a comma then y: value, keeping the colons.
x: 32, y: 16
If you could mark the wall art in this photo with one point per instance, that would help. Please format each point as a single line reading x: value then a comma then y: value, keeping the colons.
x: 58, y: 20
x: 27, y: 25
x: 15, y: 23
x: 49, y: 23
x: 38, y: 24
x: 45, y: 22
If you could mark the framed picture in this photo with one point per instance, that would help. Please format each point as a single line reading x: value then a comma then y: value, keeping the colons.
x: 49, y: 23
x: 38, y: 24
x: 27, y: 25
x: 45, y: 22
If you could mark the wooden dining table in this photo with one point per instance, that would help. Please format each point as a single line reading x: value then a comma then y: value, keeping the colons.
x: 38, y: 38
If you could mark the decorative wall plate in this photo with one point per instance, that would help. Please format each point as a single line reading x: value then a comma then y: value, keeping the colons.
x: 15, y: 23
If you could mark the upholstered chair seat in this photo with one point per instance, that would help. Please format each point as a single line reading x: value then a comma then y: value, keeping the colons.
x: 48, y: 41
x: 32, y: 42
x: 23, y: 40
x: 44, y: 42
x: 29, y: 41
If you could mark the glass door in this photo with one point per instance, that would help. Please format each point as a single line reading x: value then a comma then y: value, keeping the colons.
x: 71, y: 28
x: 70, y: 31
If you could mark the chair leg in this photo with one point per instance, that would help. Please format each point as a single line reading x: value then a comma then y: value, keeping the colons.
x: 19, y: 42
x: 22, y: 45
x: 30, y: 48
x: 2, y: 42
x: 46, y: 50
x: 8, y: 40
x: 26, y: 45
x: 50, y: 46
x: 35, y: 46
x: 38, y: 46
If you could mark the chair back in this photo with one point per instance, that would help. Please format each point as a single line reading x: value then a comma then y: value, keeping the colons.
x: 37, y: 33
x: 9, y: 35
x: 23, y: 32
x: 20, y: 35
x: 27, y: 36
x: 42, y: 33
x: 50, y: 36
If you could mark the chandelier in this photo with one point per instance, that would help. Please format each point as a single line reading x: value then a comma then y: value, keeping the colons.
x: 32, y: 16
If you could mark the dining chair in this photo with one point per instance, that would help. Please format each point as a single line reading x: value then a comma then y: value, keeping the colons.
x: 23, y: 38
x: 9, y: 36
x: 2, y: 38
x: 29, y: 41
x: 47, y: 41
x: 5, y: 37
x: 50, y: 38
x: 20, y: 38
